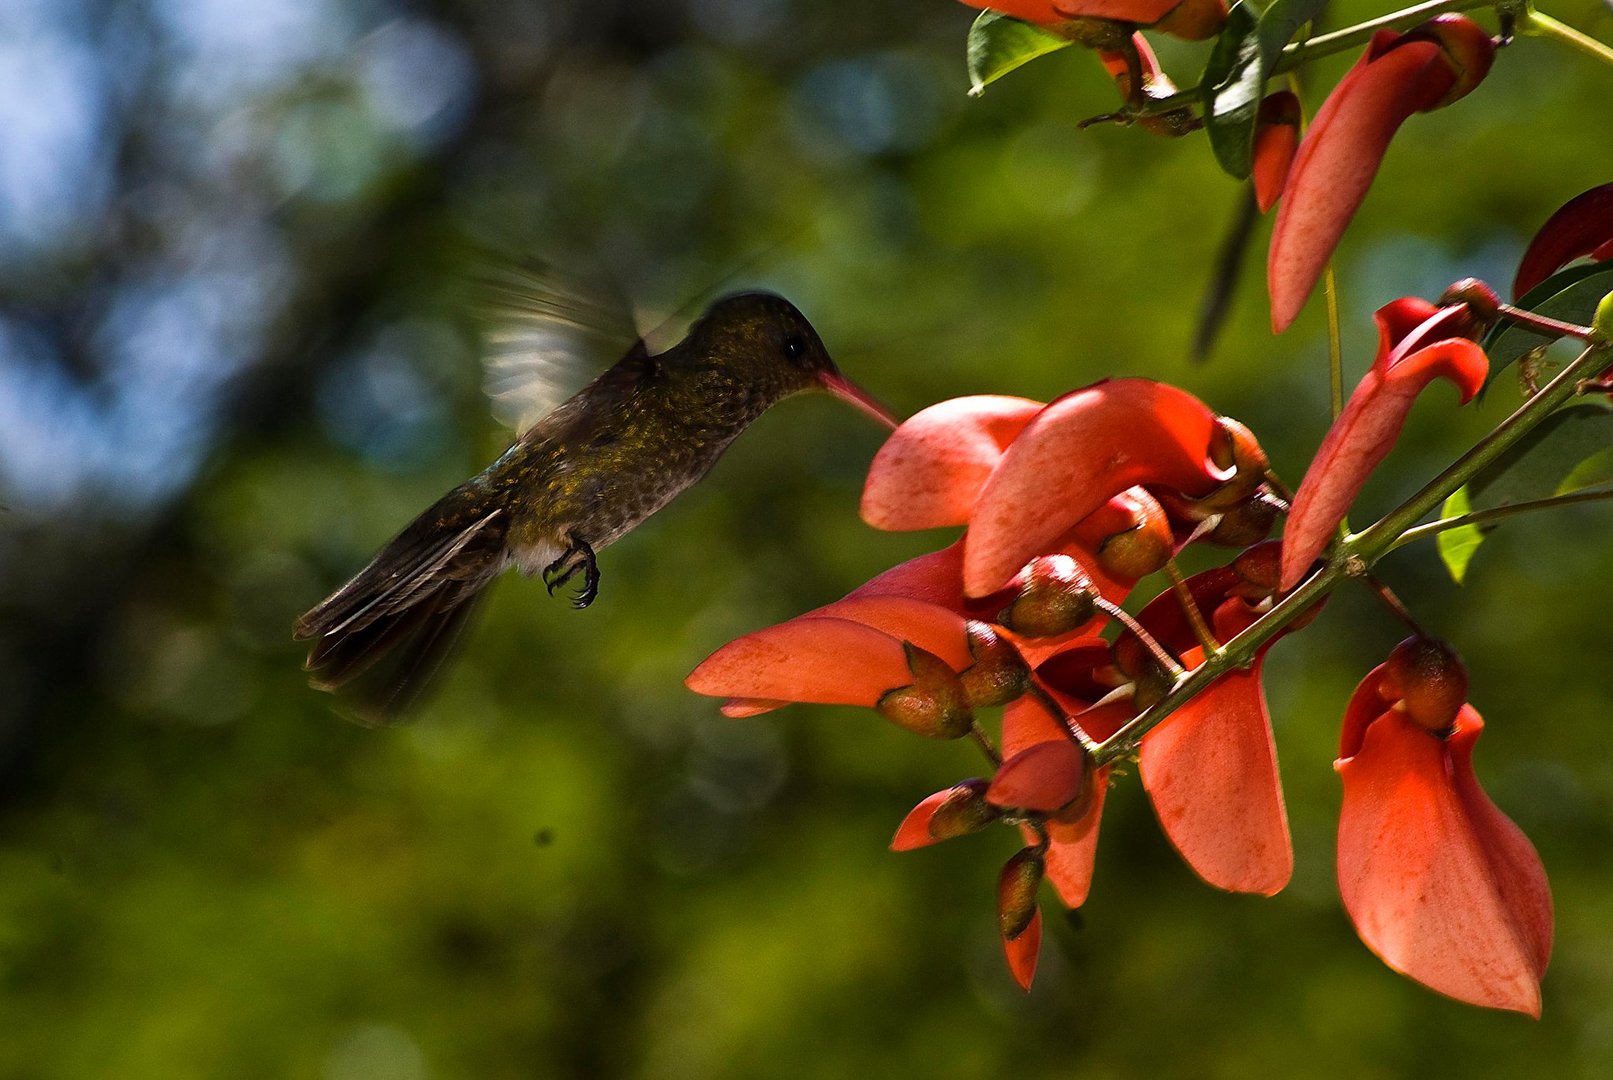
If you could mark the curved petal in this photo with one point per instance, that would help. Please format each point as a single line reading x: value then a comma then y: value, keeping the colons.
x: 968, y: 814
x: 1362, y: 437
x: 1211, y: 771
x: 930, y: 471
x: 931, y: 627
x: 1073, y: 847
x: 936, y: 577
x: 1044, y: 777
x: 1417, y: 875
x: 738, y: 708
x: 1077, y: 454
x: 825, y: 661
x: 1022, y: 952
x: 1276, y: 141
x: 1339, y: 156
x: 914, y: 831
x: 1583, y: 226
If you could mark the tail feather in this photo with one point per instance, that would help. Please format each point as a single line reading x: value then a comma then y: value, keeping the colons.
x: 386, y: 633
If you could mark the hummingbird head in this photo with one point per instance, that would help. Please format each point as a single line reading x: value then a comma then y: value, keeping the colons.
x: 767, y: 338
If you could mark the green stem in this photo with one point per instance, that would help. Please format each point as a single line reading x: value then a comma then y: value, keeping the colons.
x: 1497, y: 513
x: 1301, y: 52
x: 1354, y: 555
x: 1539, y: 24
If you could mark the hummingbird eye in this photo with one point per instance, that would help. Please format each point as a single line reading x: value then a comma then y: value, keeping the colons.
x: 794, y: 347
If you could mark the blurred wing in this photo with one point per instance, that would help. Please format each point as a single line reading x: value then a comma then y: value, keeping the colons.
x: 545, y: 336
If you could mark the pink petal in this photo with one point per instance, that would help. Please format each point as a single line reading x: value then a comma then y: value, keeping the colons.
x: 1362, y: 437
x: 1043, y: 778
x: 1437, y: 881
x: 1078, y: 453
x: 1211, y: 771
x: 826, y: 661
x: 1583, y: 226
x: 930, y: 471
x: 1339, y: 157
x: 1022, y: 952
x: 739, y: 708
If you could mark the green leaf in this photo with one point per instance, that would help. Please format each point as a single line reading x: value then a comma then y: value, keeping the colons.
x: 1233, y: 81
x: 1457, y: 545
x: 998, y: 44
x: 1280, y: 23
x: 1566, y: 451
x: 1571, y: 296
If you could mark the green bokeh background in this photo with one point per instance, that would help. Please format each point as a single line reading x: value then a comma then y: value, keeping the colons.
x: 570, y: 866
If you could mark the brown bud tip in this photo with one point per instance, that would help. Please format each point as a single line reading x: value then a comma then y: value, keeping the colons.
x: 1481, y: 301
x: 1016, y: 892
x: 1248, y: 522
x: 1142, y: 549
x: 964, y: 811
x: 1150, y: 680
x: 1194, y: 20
x: 935, y: 705
x: 1057, y: 597
x: 1260, y: 568
x: 1468, y: 48
x: 999, y: 674
x: 1105, y: 35
x: 1428, y: 679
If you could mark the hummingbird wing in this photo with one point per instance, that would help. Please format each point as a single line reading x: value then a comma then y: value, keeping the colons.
x: 545, y: 336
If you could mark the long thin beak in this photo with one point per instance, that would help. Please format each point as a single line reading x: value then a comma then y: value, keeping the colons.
x: 848, y: 391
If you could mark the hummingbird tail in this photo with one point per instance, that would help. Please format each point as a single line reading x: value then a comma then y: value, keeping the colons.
x: 398, y: 619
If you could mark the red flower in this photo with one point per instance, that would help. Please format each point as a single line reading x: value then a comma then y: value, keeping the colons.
x: 1582, y: 227
x: 1428, y: 68
x: 1210, y: 768
x: 1276, y: 140
x: 1417, y: 343
x: 1439, y: 883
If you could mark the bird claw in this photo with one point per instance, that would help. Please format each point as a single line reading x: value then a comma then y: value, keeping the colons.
x: 579, y: 556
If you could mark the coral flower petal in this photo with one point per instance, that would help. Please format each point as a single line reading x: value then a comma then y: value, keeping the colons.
x: 1339, y: 157
x: 931, y: 627
x: 1022, y: 952
x: 1045, y: 777
x: 1078, y: 453
x: 1583, y: 226
x: 936, y: 578
x: 1275, y: 145
x: 1439, y: 883
x: 739, y: 708
x: 1362, y: 437
x: 914, y: 831
x: 1073, y: 847
x: 930, y: 471
x: 825, y: 661
x: 1211, y: 771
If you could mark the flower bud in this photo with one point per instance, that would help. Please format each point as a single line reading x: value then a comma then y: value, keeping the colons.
x: 1150, y: 680
x: 1016, y: 892
x: 1234, y: 446
x: 1143, y: 548
x: 1481, y: 301
x: 934, y: 705
x: 1057, y: 597
x: 964, y: 811
x: 1259, y: 568
x: 1428, y: 680
x: 1468, y: 48
x: 1602, y: 323
x: 998, y: 675
x: 1248, y: 522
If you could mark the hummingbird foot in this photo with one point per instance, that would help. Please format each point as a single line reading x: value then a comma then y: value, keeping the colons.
x: 579, y: 556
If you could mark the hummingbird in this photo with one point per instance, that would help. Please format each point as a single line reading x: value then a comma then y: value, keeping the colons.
x: 578, y: 477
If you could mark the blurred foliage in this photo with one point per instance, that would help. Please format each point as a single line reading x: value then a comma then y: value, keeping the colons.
x: 233, y: 360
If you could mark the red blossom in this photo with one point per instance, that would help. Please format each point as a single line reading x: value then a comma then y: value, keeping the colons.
x: 1074, y: 456
x: 1023, y: 950
x: 1410, y: 356
x: 1210, y: 768
x: 1582, y: 227
x: 1438, y: 881
x: 1276, y: 140
x: 1398, y: 75
x: 930, y: 471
